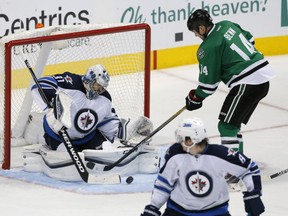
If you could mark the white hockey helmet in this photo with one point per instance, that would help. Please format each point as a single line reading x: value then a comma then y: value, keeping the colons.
x: 95, y: 81
x: 192, y: 128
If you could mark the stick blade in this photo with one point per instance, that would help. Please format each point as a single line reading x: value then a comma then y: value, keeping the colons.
x: 109, y: 178
x: 265, y: 178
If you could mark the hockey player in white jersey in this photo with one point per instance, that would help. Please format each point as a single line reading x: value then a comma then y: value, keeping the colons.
x: 192, y: 179
x: 93, y: 119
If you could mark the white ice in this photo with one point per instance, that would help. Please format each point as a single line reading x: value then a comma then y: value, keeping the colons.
x: 264, y: 141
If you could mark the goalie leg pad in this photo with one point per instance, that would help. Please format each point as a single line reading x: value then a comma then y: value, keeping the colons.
x: 32, y: 161
x: 96, y: 160
x: 148, y: 164
x: 149, y: 160
x: 145, y: 160
x: 55, y: 164
x: 34, y: 130
x: 58, y: 165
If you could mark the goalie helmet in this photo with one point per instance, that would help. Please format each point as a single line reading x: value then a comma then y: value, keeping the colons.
x: 197, y: 18
x: 95, y: 81
x: 192, y: 128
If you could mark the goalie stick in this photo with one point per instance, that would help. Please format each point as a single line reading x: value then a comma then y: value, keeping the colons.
x: 85, y: 175
x: 111, y: 166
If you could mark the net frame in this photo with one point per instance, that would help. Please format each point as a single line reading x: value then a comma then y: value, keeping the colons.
x: 18, y: 42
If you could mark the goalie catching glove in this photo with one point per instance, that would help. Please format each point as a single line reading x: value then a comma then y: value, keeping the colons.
x: 142, y: 126
x: 134, y: 133
x: 192, y: 101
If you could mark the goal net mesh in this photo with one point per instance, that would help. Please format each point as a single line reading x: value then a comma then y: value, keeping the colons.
x: 122, y: 49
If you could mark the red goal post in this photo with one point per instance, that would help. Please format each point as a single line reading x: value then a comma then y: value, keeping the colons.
x: 124, y: 50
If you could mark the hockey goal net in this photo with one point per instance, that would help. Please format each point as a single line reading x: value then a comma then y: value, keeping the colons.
x: 124, y: 50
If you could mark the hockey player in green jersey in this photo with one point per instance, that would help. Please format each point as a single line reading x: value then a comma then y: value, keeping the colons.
x: 227, y: 54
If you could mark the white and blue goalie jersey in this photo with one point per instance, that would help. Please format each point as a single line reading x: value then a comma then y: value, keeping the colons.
x: 87, y: 115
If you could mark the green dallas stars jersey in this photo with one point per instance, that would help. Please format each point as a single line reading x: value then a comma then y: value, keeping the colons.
x: 227, y: 55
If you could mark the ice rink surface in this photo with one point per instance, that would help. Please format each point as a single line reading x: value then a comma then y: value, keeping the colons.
x: 265, y: 140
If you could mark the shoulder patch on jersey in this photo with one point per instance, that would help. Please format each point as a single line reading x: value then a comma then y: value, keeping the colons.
x: 231, y: 152
x: 68, y: 79
x: 199, y: 183
x: 200, y: 53
x: 85, y: 120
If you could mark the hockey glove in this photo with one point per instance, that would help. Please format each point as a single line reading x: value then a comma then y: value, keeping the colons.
x: 192, y: 101
x: 151, y: 210
x: 253, y: 203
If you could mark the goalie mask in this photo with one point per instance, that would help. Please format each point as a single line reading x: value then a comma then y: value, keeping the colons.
x: 192, y: 128
x: 95, y: 81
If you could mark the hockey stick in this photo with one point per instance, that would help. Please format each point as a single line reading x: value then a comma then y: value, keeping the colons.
x: 234, y: 187
x: 275, y: 175
x: 111, y: 166
x: 85, y: 175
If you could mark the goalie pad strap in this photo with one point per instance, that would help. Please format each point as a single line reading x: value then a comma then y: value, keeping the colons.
x: 122, y: 129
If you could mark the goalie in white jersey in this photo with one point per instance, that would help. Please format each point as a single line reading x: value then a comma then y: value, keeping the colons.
x: 192, y: 180
x: 82, y: 104
x: 93, y: 119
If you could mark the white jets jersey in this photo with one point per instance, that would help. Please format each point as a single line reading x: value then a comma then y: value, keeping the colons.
x: 197, y: 182
x: 86, y: 115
